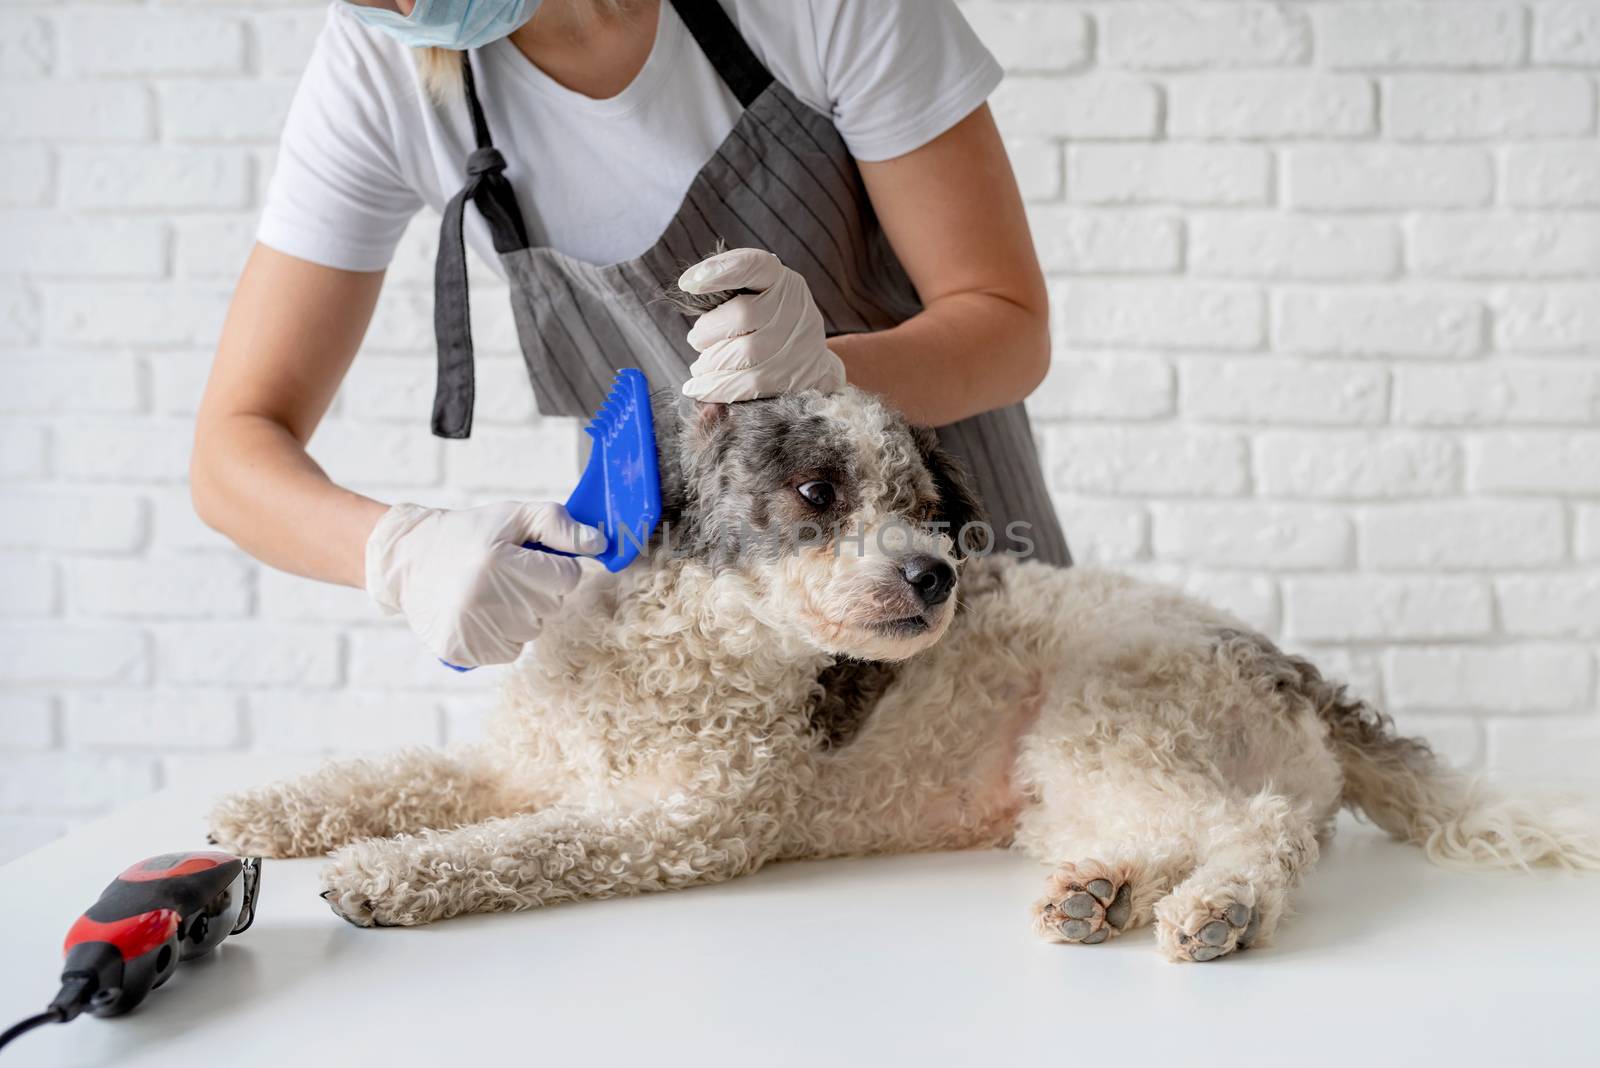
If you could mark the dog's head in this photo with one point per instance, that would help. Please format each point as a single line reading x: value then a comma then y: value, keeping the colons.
x: 843, y: 516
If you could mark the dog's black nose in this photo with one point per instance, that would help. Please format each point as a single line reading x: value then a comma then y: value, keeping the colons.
x: 931, y: 577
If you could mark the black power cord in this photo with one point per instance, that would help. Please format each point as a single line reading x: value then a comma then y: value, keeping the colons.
x: 76, y: 991
x: 49, y: 1016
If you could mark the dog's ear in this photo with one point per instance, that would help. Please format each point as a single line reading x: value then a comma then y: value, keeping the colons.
x: 687, y: 423
x: 706, y: 418
x: 699, y: 429
x: 687, y: 435
x: 666, y: 410
x: 958, y: 501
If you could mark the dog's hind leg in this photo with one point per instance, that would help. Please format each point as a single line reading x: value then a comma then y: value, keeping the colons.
x: 343, y: 801
x: 543, y: 858
x: 1255, y: 852
x: 1124, y: 852
x: 1120, y: 837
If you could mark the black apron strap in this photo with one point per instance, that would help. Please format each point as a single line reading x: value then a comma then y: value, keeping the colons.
x: 452, y: 323
x: 720, y: 40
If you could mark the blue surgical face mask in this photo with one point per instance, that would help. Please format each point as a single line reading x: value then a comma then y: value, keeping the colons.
x: 457, y: 24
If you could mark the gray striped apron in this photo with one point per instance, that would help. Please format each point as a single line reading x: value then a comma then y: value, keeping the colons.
x: 782, y: 180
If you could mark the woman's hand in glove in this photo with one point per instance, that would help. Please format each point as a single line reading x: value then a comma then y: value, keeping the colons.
x: 758, y: 344
x: 462, y: 579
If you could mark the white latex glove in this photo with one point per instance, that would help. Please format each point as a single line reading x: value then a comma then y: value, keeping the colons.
x: 464, y: 582
x: 759, y: 344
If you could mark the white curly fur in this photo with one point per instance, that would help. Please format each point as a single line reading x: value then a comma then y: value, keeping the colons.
x: 1174, y: 767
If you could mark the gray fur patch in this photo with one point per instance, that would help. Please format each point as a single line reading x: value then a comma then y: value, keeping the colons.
x: 731, y: 472
x: 1369, y: 747
x: 845, y: 696
x: 1258, y: 654
x: 741, y: 474
x: 694, y: 304
x: 958, y: 501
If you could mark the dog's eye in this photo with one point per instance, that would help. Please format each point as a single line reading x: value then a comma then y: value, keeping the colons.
x: 817, y: 494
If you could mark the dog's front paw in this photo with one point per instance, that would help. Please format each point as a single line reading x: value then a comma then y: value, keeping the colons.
x: 372, y: 884
x: 352, y: 908
x: 1202, y: 927
x: 253, y: 824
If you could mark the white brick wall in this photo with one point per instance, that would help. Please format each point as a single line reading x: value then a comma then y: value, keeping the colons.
x: 1327, y: 320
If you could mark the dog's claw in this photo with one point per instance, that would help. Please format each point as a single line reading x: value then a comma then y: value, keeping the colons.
x: 1079, y: 906
x: 352, y: 921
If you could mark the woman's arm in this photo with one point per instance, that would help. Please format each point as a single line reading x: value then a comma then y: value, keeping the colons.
x: 953, y: 214
x: 291, y: 332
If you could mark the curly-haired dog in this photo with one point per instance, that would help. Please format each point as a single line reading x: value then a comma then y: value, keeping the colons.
x: 813, y: 670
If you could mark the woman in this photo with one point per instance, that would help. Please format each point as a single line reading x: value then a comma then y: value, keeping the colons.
x: 848, y: 137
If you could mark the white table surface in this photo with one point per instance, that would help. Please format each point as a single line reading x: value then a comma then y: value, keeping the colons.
x: 890, y: 961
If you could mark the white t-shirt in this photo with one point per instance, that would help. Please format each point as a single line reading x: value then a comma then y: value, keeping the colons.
x: 365, y: 148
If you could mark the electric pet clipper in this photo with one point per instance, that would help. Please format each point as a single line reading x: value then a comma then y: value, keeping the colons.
x: 161, y: 911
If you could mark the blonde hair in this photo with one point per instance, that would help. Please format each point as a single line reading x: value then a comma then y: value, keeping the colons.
x: 441, y: 72
x: 440, y: 68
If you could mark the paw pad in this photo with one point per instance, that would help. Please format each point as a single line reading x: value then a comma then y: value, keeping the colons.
x: 1089, y: 912
x: 1234, y: 927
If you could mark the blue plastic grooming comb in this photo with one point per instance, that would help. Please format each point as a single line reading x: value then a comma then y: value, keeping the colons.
x: 620, y: 491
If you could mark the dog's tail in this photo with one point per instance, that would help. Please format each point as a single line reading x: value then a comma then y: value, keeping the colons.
x: 1400, y: 785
